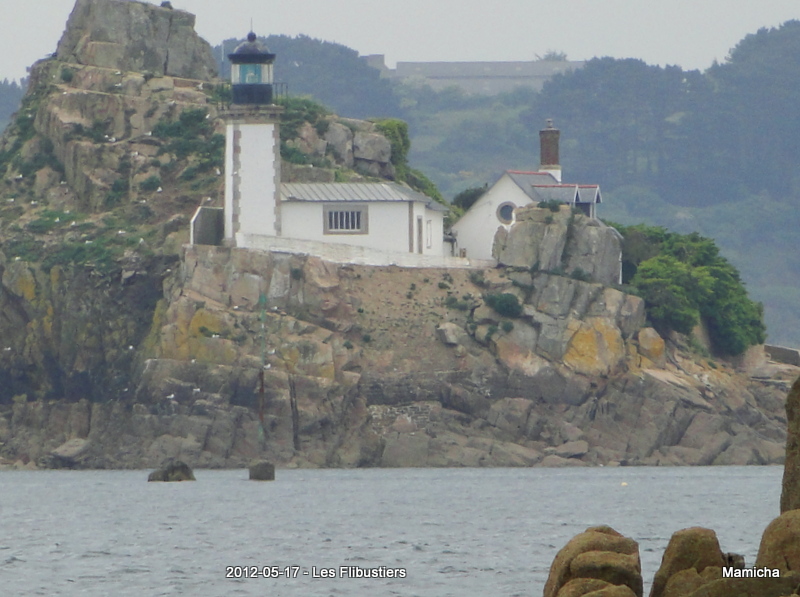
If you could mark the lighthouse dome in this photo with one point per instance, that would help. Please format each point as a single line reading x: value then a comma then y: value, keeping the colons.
x: 251, y: 46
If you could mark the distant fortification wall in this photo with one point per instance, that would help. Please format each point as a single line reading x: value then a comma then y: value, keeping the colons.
x: 783, y: 354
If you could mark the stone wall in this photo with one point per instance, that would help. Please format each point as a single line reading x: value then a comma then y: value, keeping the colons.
x: 782, y: 354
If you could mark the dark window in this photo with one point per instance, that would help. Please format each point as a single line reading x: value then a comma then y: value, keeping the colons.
x: 505, y: 213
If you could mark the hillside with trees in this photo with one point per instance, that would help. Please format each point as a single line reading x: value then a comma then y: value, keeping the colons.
x: 11, y: 94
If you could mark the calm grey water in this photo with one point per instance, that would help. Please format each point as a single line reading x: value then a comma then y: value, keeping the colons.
x: 465, y: 532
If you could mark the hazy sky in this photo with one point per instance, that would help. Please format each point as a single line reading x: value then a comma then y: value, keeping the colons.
x: 690, y: 33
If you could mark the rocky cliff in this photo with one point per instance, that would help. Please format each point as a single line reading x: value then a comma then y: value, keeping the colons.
x: 121, y: 347
x: 556, y: 239
x: 395, y: 367
x: 136, y: 37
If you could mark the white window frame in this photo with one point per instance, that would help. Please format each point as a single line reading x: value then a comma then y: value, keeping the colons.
x: 345, y: 218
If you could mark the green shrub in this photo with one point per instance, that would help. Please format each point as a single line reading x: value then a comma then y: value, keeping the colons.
x: 444, y: 286
x: 552, y: 205
x: 682, y: 278
x: 507, y: 326
x: 452, y: 302
x: 296, y: 111
x: 477, y: 278
x: 67, y: 74
x: 581, y: 275
x: 40, y: 226
x: 150, y: 184
x: 294, y: 155
x: 504, y: 304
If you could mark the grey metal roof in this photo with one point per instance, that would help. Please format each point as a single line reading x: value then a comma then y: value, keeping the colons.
x: 563, y: 193
x: 526, y: 180
x: 354, y: 192
x: 590, y: 193
x: 541, y: 186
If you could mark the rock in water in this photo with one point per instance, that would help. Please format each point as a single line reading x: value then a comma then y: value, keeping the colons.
x: 136, y: 36
x: 262, y: 471
x: 689, y: 553
x: 790, y: 497
x: 599, y: 561
x: 172, y: 471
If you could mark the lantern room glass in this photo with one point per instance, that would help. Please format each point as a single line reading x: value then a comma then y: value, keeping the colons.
x: 251, y: 74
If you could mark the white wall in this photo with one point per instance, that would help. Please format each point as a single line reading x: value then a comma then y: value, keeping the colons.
x: 255, y: 176
x: 388, y: 225
x: 476, y: 228
x: 436, y: 246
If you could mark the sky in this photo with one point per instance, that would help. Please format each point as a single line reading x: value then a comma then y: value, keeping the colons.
x: 688, y: 33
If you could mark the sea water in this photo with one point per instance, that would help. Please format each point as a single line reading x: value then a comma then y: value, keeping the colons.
x: 460, y: 532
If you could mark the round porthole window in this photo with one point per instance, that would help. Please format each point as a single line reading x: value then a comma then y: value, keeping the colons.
x: 505, y: 213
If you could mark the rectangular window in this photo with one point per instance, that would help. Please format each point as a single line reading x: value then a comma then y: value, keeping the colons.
x: 429, y: 235
x: 345, y: 219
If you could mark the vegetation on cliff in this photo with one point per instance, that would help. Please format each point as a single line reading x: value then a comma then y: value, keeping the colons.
x: 683, y: 279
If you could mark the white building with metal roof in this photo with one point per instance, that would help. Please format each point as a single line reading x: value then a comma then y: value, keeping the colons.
x: 384, y: 216
x: 475, y: 230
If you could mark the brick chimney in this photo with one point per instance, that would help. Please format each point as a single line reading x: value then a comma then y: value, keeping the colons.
x: 548, y: 140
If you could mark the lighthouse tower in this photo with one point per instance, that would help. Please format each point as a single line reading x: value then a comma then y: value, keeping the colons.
x: 252, y: 147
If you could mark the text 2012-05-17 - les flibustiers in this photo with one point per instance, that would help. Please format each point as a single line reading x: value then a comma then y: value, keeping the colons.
x: 288, y: 572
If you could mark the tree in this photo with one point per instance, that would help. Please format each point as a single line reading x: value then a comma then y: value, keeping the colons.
x: 467, y: 198
x: 667, y: 286
x: 683, y: 278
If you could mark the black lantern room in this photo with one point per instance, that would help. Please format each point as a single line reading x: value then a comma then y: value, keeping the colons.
x: 251, y: 72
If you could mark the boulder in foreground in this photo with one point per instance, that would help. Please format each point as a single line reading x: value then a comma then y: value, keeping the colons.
x: 790, y: 496
x: 599, y: 560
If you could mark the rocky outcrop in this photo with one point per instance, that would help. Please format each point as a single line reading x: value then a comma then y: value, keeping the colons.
x: 780, y: 544
x: 128, y: 35
x: 560, y: 241
x: 601, y: 562
x: 692, y: 558
x: 172, y: 471
x: 790, y: 496
x: 262, y: 471
x: 356, y: 377
x: 598, y: 561
x: 347, y: 143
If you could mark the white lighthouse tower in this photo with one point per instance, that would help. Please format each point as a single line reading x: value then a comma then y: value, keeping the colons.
x: 252, y: 147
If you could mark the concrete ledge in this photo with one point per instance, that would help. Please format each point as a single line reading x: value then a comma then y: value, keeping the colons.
x: 339, y: 253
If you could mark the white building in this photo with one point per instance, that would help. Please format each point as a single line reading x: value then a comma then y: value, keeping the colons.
x: 475, y: 230
x: 372, y: 223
